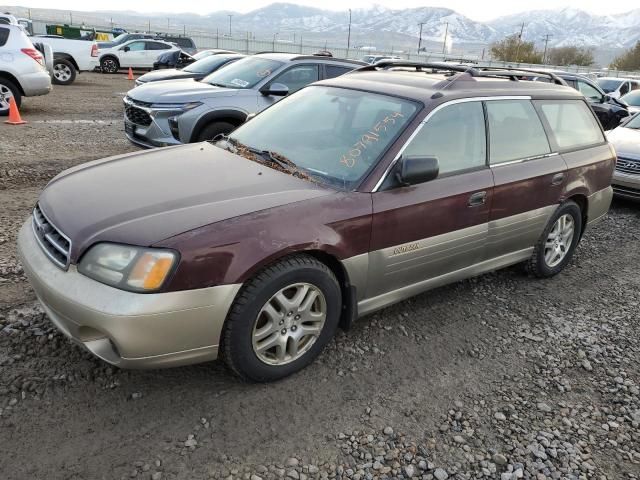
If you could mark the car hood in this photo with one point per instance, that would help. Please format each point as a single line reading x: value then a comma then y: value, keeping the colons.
x: 145, y: 197
x: 167, y: 74
x: 177, y: 91
x: 626, y: 141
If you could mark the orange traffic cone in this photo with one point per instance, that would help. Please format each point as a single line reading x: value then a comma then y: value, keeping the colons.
x: 14, y: 113
x: 130, y: 76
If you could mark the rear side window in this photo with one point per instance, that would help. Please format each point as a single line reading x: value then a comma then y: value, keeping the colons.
x: 333, y: 71
x: 515, y: 131
x: 454, y: 135
x: 157, y: 46
x: 588, y: 91
x: 572, y: 123
x: 4, y: 36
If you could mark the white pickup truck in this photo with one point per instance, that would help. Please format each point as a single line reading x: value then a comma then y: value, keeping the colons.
x: 70, y: 57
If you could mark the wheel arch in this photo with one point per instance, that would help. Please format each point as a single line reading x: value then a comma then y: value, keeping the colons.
x: 583, y: 203
x: 12, y: 79
x: 66, y: 56
x: 232, y: 116
x: 349, y: 308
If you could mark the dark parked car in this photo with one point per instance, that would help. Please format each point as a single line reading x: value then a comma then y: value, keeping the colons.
x: 196, y: 70
x: 350, y: 195
x: 173, y: 59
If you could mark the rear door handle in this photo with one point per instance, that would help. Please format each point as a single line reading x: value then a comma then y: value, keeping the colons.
x: 478, y: 198
x: 557, y: 179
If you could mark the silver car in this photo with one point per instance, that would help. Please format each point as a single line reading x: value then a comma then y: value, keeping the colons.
x: 626, y: 140
x: 185, y: 111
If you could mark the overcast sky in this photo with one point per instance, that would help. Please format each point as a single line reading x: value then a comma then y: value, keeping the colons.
x: 479, y: 10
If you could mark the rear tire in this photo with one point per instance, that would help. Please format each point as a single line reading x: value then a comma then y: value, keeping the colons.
x: 109, y: 65
x: 558, y: 242
x: 281, y: 319
x: 64, y: 73
x: 8, y: 89
x: 214, y: 129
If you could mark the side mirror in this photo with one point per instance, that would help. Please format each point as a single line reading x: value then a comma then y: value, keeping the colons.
x: 250, y: 116
x: 276, y: 90
x: 126, y: 49
x: 416, y: 169
x: 606, y: 98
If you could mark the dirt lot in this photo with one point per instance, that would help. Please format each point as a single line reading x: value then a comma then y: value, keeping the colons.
x: 501, y: 376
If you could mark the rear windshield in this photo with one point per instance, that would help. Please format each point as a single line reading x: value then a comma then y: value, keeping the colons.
x: 609, y: 85
x: 207, y: 64
x: 245, y: 73
x: 572, y: 122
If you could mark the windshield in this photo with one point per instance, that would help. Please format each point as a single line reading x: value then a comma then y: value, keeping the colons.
x: 245, y: 73
x: 609, y: 85
x: 207, y: 64
x: 634, y: 122
x: 334, y: 135
x: 632, y: 98
x: 123, y: 37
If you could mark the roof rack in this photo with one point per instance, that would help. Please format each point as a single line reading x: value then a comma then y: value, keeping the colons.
x: 437, y: 67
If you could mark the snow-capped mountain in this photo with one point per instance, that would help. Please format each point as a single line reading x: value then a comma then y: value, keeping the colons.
x: 571, y: 26
x: 566, y: 26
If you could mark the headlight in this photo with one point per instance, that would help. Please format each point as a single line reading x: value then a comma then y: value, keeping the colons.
x: 176, y: 106
x: 128, y: 268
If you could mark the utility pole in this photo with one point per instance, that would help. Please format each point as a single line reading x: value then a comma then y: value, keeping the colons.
x: 546, y: 43
x: 349, y: 34
x: 444, y: 42
x: 519, y: 42
x: 230, y: 23
x: 167, y: 24
x: 420, y: 37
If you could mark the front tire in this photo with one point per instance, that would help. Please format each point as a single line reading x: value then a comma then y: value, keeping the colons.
x: 8, y: 90
x: 214, y: 129
x: 558, y: 241
x: 64, y: 73
x: 281, y: 319
x: 109, y: 65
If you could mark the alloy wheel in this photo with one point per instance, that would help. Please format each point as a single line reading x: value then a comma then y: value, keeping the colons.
x: 109, y: 66
x: 5, y: 95
x: 289, y: 324
x: 559, y: 240
x: 61, y: 72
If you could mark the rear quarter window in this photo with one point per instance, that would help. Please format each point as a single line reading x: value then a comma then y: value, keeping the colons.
x: 572, y: 123
x: 4, y: 36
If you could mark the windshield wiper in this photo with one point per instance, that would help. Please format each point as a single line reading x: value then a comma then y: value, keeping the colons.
x: 281, y: 161
x: 222, y: 85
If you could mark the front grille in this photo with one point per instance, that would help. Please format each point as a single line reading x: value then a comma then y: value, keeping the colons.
x: 55, y: 244
x: 629, y: 166
x: 137, y: 115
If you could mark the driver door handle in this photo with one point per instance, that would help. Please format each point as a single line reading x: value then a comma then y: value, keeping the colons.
x: 478, y: 198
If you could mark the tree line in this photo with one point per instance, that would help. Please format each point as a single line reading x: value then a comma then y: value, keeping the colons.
x: 514, y: 49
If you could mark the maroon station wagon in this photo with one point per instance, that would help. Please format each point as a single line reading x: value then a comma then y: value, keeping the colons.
x: 350, y: 195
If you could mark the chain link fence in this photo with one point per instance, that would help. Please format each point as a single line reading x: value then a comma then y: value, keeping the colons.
x: 246, y: 42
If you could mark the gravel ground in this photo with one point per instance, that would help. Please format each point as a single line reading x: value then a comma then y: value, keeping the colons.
x: 501, y: 376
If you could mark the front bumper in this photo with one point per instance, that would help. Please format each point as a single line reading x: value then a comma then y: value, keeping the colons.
x: 127, y: 329
x: 626, y: 186
x: 157, y: 134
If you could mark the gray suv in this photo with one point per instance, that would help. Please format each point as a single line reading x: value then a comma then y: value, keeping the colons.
x: 185, y: 111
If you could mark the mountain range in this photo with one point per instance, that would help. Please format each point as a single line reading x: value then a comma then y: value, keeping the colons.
x: 566, y: 26
x: 382, y: 26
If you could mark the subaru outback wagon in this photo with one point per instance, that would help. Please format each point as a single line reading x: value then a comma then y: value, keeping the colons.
x: 348, y: 196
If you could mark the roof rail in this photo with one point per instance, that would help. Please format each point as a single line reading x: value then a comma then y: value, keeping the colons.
x: 474, y: 71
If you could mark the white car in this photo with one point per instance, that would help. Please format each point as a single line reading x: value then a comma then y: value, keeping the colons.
x: 70, y: 57
x: 617, y: 87
x: 23, y: 72
x: 135, y: 54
